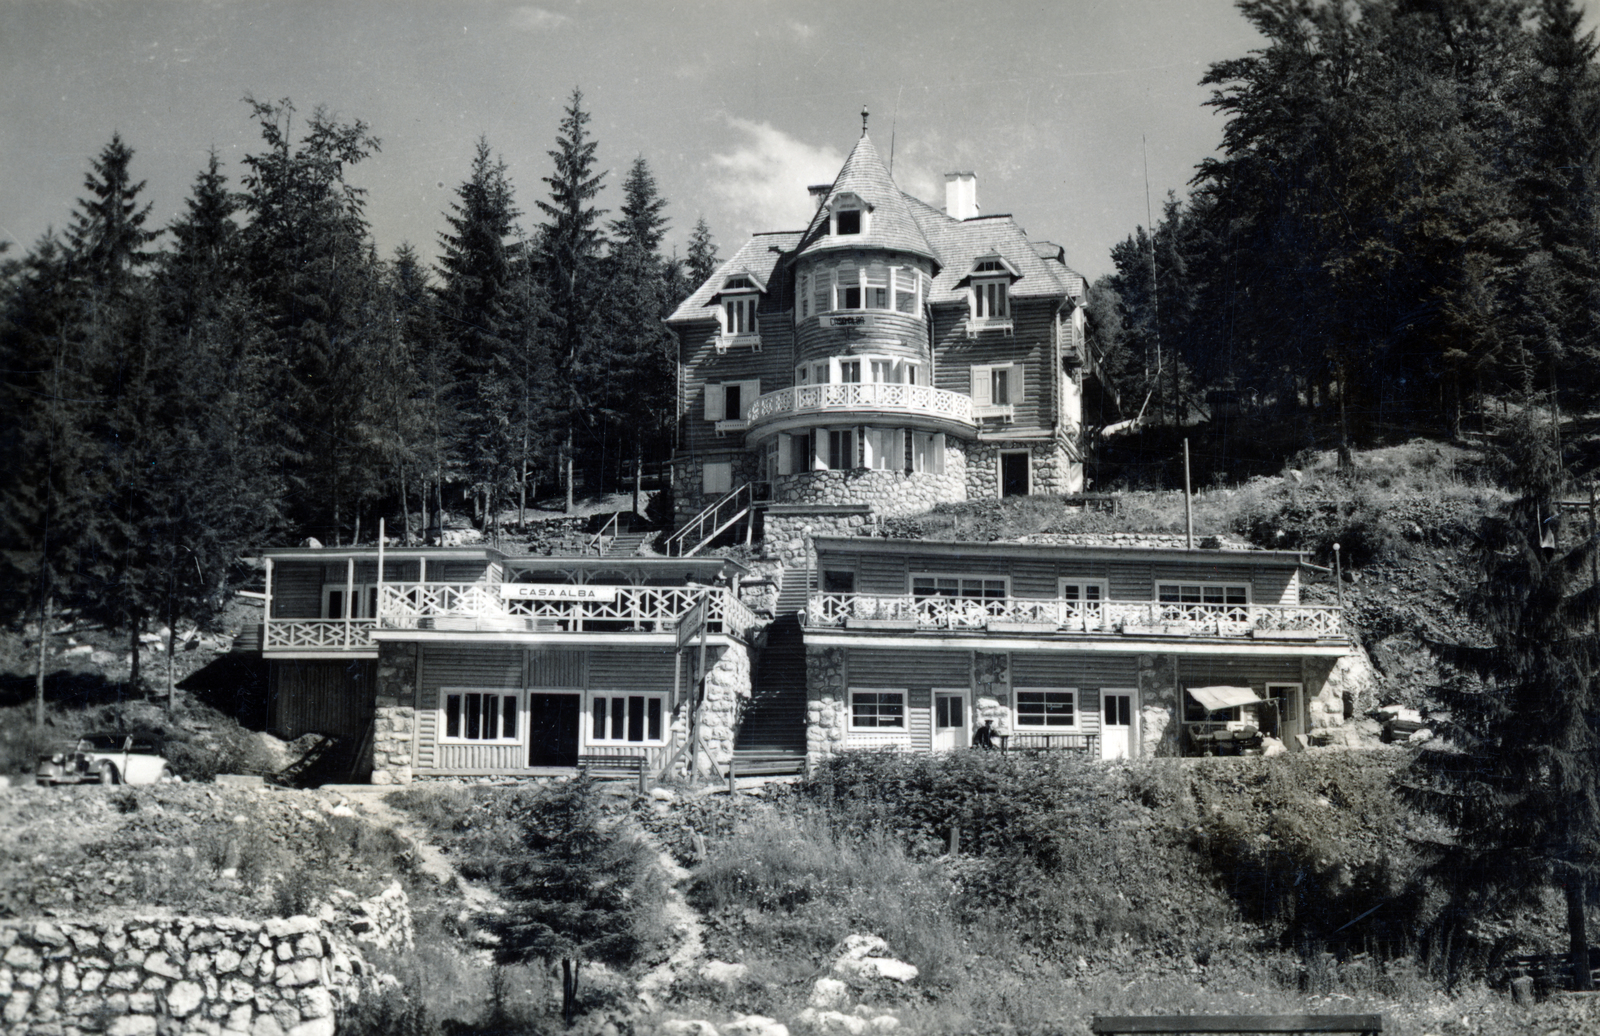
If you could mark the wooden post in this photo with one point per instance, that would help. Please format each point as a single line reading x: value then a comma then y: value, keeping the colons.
x: 266, y: 607
x: 44, y: 650
x: 379, y: 591
x: 1188, y: 499
x: 732, y: 790
x: 700, y: 692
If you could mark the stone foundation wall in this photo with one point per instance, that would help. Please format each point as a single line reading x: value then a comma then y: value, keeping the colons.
x: 688, y: 475
x: 786, y: 534
x: 1158, y: 705
x: 1052, y: 469
x: 826, y: 704
x: 394, y: 719
x: 211, y: 976
x: 888, y: 493
x: 1350, y: 686
x: 991, y: 678
x: 728, y: 688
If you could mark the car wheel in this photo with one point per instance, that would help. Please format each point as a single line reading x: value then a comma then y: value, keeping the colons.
x: 108, y: 774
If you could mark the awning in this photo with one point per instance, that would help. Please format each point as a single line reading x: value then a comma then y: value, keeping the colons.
x: 1217, y: 698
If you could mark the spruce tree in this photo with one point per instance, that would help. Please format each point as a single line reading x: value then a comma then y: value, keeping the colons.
x: 569, y: 251
x: 702, y: 258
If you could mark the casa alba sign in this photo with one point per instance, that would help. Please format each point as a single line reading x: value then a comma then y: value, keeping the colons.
x: 848, y: 320
x: 556, y: 592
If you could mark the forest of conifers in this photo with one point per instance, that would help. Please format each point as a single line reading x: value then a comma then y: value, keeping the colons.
x: 1398, y: 230
x: 256, y: 373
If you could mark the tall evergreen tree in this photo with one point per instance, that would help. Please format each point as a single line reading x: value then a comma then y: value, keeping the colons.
x: 702, y: 258
x: 569, y: 251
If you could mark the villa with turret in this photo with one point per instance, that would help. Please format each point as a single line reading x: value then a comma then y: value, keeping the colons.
x: 888, y: 357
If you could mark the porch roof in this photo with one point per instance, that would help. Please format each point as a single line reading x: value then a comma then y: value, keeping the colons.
x: 1004, y: 548
x: 1217, y: 698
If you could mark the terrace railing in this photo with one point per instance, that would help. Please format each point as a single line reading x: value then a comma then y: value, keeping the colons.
x: 474, y: 607
x: 1017, y: 613
x: 862, y: 395
x: 318, y: 635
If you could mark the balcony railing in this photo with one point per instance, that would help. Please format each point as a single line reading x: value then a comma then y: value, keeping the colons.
x: 475, y: 607
x: 318, y: 635
x: 917, y: 400
x: 1019, y: 614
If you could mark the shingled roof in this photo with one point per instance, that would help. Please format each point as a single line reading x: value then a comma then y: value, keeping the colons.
x: 890, y: 223
x: 759, y: 257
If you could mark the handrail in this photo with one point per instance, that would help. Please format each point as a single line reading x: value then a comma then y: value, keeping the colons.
x: 861, y: 395
x: 595, y: 543
x: 710, y: 516
x: 475, y: 607
x: 955, y: 613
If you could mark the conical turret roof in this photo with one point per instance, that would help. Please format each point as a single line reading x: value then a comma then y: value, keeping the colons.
x: 889, y: 223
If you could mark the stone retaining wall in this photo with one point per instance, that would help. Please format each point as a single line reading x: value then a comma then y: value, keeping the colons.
x: 1052, y: 469
x: 888, y: 493
x: 210, y: 976
x: 394, y: 719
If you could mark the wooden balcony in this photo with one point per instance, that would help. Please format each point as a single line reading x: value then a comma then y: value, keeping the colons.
x: 1111, y: 618
x: 916, y: 406
x: 480, y: 608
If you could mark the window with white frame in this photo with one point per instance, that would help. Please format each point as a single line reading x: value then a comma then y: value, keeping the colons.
x: 365, y: 600
x: 626, y: 719
x: 906, y: 283
x: 479, y: 716
x: 877, y: 710
x: 971, y: 588
x: 877, y: 278
x: 927, y: 453
x: 728, y: 402
x: 802, y: 295
x: 1046, y: 709
x: 1202, y: 593
x: 996, y: 389
x: 1083, y: 591
x: 841, y: 449
x: 739, y: 316
x: 716, y: 477
x: 850, y: 371
x: 849, y: 216
x: 989, y: 301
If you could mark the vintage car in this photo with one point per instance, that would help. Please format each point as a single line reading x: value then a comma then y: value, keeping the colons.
x: 105, y: 759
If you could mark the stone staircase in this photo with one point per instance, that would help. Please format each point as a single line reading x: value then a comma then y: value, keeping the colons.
x: 794, y: 591
x: 626, y: 544
x: 775, y: 720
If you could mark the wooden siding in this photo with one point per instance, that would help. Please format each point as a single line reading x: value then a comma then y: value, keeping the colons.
x: 703, y: 365
x: 556, y: 669
x: 877, y: 667
x: 448, y: 665
x: 639, y: 669
x: 1038, y: 576
x: 1087, y: 673
x: 1028, y: 345
x: 920, y: 721
x: 297, y: 591
x: 321, y: 697
x: 1238, y: 672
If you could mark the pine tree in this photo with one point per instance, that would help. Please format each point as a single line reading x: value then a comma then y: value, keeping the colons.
x: 569, y: 250
x: 1515, y: 772
x: 477, y: 269
x: 702, y: 259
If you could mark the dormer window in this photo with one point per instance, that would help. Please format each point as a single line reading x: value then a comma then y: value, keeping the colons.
x: 989, y: 293
x: 848, y: 216
x: 739, y: 300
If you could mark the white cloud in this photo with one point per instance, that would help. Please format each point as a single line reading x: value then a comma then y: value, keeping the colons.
x: 801, y: 31
x: 536, y: 19
x: 763, y: 181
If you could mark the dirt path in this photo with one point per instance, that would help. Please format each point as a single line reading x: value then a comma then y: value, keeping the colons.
x: 685, y: 924
x: 431, y: 860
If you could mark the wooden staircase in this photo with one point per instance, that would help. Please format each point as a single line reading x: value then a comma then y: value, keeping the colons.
x: 796, y: 589
x: 625, y: 544
x: 775, y: 719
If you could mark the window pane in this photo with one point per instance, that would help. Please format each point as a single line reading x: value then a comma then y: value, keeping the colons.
x: 599, y: 719
x: 474, y: 715
x: 850, y: 298
x: 653, y: 713
x: 335, y: 604
x: 1000, y: 391
x: 731, y: 407
x: 619, y: 719
x: 508, y: 723
x: 849, y: 221
x: 636, y: 717
x: 452, y: 715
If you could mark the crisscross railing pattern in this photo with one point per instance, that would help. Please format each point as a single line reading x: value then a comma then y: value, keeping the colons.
x: 860, y: 395
x: 473, y: 606
x: 318, y: 634
x: 955, y: 613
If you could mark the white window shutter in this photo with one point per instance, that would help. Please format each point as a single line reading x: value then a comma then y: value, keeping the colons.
x: 869, y: 446
x: 819, y: 449
x: 898, y: 448
x: 783, y: 454
x: 1014, y: 384
x: 937, y: 467
x: 981, y: 396
x: 747, y: 395
x: 714, y: 402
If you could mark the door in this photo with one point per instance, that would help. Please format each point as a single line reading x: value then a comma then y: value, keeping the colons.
x: 1014, y: 473
x: 951, y: 729
x: 1290, y: 706
x: 553, y: 729
x: 1116, y: 725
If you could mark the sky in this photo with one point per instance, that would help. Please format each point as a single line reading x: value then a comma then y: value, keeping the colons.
x: 1059, y: 106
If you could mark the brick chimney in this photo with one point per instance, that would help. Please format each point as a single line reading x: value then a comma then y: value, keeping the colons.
x: 961, y: 195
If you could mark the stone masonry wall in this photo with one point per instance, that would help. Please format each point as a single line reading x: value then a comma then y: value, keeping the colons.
x: 1052, y: 468
x: 991, y: 676
x: 688, y: 475
x: 826, y: 704
x: 727, y: 692
x: 786, y: 535
x: 394, y: 720
x: 888, y: 493
x: 208, y: 976
x: 1158, y: 705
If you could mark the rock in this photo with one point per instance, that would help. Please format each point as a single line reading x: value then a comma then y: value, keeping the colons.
x: 159, y: 964
x: 1418, y: 736
x: 828, y: 993
x: 315, y: 1027
x: 885, y: 1023
x: 833, y: 1023
x: 754, y: 1025
x: 22, y: 958
x: 863, y: 971
x: 662, y: 794
x: 184, y: 998
x: 686, y: 1027
x: 723, y: 973
x: 133, y: 1025
x: 858, y: 946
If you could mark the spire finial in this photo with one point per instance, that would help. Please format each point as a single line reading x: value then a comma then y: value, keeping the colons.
x: 863, y: 120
